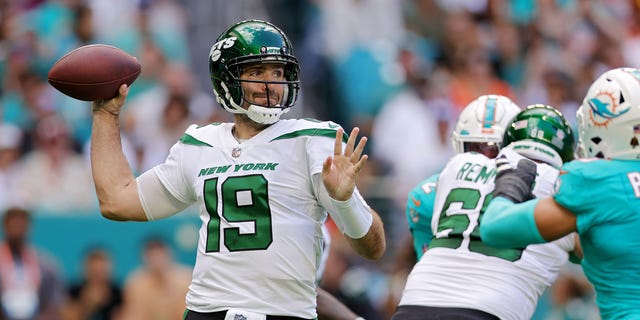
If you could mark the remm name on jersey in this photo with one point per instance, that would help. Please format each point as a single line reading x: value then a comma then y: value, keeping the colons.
x: 238, y: 167
x: 475, y: 172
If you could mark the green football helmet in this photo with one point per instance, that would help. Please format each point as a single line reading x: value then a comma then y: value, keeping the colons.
x: 540, y: 132
x: 251, y: 42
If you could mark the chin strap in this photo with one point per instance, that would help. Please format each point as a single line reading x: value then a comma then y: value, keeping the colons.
x: 259, y: 114
x: 264, y: 115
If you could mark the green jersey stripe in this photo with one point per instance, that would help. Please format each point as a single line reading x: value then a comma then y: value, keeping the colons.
x: 329, y: 133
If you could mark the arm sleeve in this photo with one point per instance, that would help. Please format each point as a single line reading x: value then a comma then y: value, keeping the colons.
x: 359, y: 216
x: 508, y: 225
x: 163, y: 190
x: 156, y: 200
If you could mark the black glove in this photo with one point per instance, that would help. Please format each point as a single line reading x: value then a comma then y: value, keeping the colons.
x: 515, y: 184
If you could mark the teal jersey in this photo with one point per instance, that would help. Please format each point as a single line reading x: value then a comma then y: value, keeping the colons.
x: 419, y: 212
x: 605, y: 197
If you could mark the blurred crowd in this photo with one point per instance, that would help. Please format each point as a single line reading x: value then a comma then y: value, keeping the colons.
x: 399, y: 70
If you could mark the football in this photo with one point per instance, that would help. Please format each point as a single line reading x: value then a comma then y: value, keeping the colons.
x: 94, y: 72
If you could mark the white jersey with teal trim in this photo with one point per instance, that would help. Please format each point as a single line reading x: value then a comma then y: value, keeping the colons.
x: 260, y: 242
x: 460, y: 271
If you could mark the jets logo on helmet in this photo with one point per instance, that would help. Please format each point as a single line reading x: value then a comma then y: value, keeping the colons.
x: 215, y: 52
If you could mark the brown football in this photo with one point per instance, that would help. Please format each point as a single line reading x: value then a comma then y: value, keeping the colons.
x: 94, y: 72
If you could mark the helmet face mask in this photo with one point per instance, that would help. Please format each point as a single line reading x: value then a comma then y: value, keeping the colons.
x: 271, y: 89
x: 483, y: 121
x: 246, y: 43
x: 609, y: 117
x: 541, y: 132
x: 489, y: 149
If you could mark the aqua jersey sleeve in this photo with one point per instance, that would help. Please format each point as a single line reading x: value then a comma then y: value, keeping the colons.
x: 510, y: 225
x: 419, y: 211
x: 584, y: 185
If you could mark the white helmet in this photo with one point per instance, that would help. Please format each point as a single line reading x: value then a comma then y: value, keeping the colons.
x: 483, y: 120
x: 609, y: 118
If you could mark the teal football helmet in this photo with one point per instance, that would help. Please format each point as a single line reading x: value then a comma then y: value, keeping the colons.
x: 251, y: 42
x: 609, y: 118
x: 540, y: 132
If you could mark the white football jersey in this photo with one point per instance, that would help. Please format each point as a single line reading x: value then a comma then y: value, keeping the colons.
x: 458, y: 270
x: 260, y: 242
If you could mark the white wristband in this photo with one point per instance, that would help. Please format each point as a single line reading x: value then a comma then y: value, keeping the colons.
x: 352, y: 216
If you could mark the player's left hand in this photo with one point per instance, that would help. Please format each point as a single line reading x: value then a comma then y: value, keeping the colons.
x: 516, y: 183
x: 339, y: 171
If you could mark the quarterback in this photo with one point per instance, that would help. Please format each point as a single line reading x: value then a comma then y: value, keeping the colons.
x: 263, y: 186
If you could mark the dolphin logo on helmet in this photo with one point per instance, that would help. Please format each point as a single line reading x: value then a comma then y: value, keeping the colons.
x: 603, y: 112
x: 609, y: 117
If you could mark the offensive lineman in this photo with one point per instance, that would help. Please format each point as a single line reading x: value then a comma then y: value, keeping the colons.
x: 459, y: 276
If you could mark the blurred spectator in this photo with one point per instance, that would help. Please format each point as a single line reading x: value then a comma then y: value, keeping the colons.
x: 560, y: 89
x: 209, y: 18
x: 157, y: 118
x: 346, y: 278
x: 30, y: 100
x: 30, y: 286
x: 83, y: 25
x: 419, y: 118
x: 631, y: 43
x: 360, y: 40
x: 510, y: 52
x: 45, y: 28
x: 156, y: 290
x: 175, y: 120
x: 165, y: 21
x: 403, y: 260
x: 96, y: 297
x: 461, y: 35
x: 115, y: 22
x: 10, y: 152
x: 54, y: 178
x: 354, y: 23
x: 426, y: 18
x: 153, y: 61
x: 473, y: 76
